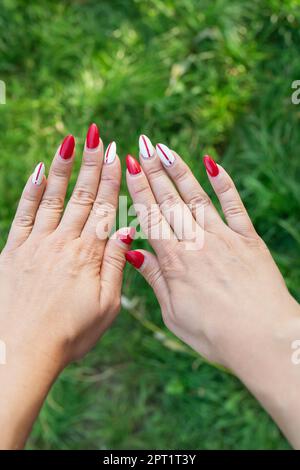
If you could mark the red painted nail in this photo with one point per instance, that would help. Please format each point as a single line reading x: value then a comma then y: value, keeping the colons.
x: 210, y: 165
x: 127, y: 236
x: 67, y: 147
x: 133, y: 166
x: 92, y: 137
x: 136, y: 258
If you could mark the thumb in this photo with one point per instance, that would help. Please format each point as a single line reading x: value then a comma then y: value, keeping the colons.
x: 113, y: 264
x: 148, y: 265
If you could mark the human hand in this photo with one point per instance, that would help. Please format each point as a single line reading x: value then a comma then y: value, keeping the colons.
x: 60, y: 278
x: 218, y: 286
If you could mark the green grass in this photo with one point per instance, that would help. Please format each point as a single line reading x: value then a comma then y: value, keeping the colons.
x: 200, y: 76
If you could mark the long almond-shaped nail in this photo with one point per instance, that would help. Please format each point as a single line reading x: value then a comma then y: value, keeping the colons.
x: 133, y: 166
x: 67, y: 147
x: 38, y: 174
x: 146, y: 147
x: 92, y: 137
x: 136, y: 258
x: 210, y: 165
x: 165, y: 154
x: 127, y: 235
x: 110, y: 153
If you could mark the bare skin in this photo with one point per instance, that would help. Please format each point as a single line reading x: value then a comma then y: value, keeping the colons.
x: 221, y: 291
x: 60, y: 284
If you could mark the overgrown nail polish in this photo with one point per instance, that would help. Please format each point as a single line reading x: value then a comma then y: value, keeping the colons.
x: 127, y: 236
x: 133, y: 166
x: 110, y: 153
x: 146, y: 147
x: 67, y: 147
x: 165, y: 154
x: 38, y: 174
x: 92, y: 137
x: 210, y: 165
x: 136, y: 258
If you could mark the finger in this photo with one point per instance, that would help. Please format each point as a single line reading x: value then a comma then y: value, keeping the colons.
x: 153, y: 223
x: 85, y: 191
x: 52, y: 203
x: 175, y: 211
x: 233, y: 208
x: 147, y: 264
x: 102, y: 216
x: 189, y: 188
x: 27, y: 208
x: 113, y: 263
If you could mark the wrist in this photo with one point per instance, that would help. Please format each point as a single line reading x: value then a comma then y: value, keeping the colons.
x: 265, y: 365
x: 25, y: 379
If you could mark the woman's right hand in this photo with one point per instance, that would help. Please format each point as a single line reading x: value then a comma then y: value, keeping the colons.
x: 218, y: 286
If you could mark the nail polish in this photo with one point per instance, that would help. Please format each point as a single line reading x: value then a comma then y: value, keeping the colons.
x: 133, y: 165
x: 67, y: 147
x: 136, y: 258
x: 165, y: 154
x: 127, y: 236
x: 210, y: 165
x: 110, y: 153
x: 92, y: 137
x: 38, y: 174
x: 146, y: 147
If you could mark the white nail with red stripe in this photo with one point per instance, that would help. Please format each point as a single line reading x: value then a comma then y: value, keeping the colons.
x: 165, y: 154
x: 146, y: 147
x: 110, y: 153
x: 38, y: 174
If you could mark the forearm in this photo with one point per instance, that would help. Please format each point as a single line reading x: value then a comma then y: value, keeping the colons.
x: 25, y: 381
x: 268, y: 371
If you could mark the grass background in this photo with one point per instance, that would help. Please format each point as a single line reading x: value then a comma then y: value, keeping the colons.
x: 201, y: 76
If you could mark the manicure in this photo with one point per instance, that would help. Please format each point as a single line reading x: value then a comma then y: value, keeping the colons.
x: 38, y: 174
x: 127, y: 236
x: 136, y: 258
x: 110, y: 153
x: 146, y: 147
x: 210, y: 165
x: 165, y: 154
x: 67, y: 147
x: 92, y: 137
x: 132, y: 165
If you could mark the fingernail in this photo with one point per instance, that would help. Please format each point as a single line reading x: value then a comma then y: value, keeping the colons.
x: 165, y: 154
x: 67, y: 147
x: 92, y: 137
x: 132, y: 165
x: 110, y: 153
x: 127, y: 236
x: 146, y: 147
x: 38, y: 174
x: 210, y: 165
x: 136, y: 258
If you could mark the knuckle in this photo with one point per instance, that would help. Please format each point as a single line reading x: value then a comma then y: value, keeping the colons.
x: 52, y: 202
x: 233, y: 209
x: 24, y: 220
x: 60, y: 171
x: 109, y: 180
x: 181, y: 173
x: 154, y: 172
x: 103, y: 208
x: 83, y: 197
x: 150, y: 218
x: 115, y: 261
x: 199, y: 200
x: 170, y: 201
x: 142, y: 189
x: 226, y: 186
x: 154, y: 277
